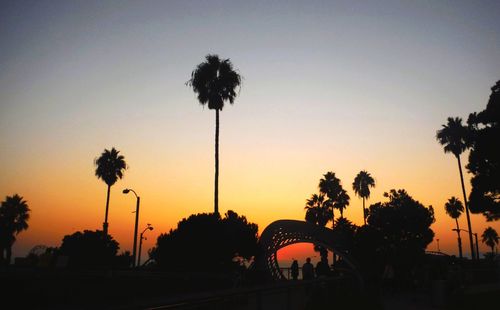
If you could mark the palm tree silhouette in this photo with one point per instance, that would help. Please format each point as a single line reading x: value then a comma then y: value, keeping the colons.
x: 330, y: 186
x: 454, y: 209
x: 318, y: 210
x: 490, y: 238
x: 14, y: 216
x: 361, y: 186
x: 109, y: 168
x: 341, y: 202
x: 453, y: 136
x: 215, y: 81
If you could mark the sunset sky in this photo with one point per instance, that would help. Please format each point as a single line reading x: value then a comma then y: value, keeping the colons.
x: 336, y: 86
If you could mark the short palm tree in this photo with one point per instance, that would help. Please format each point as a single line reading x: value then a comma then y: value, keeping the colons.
x: 14, y: 216
x: 341, y: 202
x: 454, y: 137
x: 110, y: 167
x: 490, y: 238
x: 318, y: 210
x: 361, y: 186
x: 330, y: 186
x: 215, y: 82
x: 454, y: 209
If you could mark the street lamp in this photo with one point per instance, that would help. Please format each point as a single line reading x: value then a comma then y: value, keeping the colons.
x: 472, y: 246
x: 477, y: 246
x: 438, y: 245
x: 140, y: 243
x: 134, y: 252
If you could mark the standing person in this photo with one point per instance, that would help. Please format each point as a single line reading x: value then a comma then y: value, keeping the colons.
x: 308, y: 270
x: 295, y: 269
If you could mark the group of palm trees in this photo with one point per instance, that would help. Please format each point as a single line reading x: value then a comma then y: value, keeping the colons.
x: 454, y: 138
x: 320, y: 207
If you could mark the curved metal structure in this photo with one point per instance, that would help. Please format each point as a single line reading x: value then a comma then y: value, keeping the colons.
x: 282, y: 233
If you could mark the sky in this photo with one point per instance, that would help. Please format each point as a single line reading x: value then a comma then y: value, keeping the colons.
x: 327, y: 86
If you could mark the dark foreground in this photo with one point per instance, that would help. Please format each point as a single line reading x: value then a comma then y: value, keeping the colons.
x: 32, y: 288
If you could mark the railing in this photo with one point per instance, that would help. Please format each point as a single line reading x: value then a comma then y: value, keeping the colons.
x: 288, y: 295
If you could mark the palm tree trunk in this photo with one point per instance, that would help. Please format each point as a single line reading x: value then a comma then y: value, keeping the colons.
x: 364, y: 211
x: 467, y: 211
x: 105, y: 224
x: 216, y: 189
x: 459, y: 240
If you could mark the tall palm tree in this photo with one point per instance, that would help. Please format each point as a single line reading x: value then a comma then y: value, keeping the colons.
x: 330, y: 186
x: 454, y: 209
x: 454, y: 137
x: 14, y: 216
x: 110, y: 167
x: 215, y: 82
x: 490, y: 238
x: 361, y: 186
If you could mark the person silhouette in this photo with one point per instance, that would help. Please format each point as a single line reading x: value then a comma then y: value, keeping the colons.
x: 295, y: 269
x: 308, y: 270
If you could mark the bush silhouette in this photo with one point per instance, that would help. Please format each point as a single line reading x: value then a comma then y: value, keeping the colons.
x: 89, y: 249
x: 206, y: 242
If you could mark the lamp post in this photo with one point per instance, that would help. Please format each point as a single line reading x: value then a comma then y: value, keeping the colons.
x: 472, y: 245
x: 477, y: 246
x: 140, y: 243
x: 134, y: 251
x: 438, y: 245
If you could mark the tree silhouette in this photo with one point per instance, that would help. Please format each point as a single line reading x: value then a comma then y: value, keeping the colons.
x: 215, y: 82
x: 89, y: 249
x: 318, y: 210
x: 361, y: 186
x: 484, y: 158
x: 454, y: 209
x: 454, y: 137
x: 330, y: 186
x: 402, y: 230
x: 109, y: 168
x: 206, y: 242
x: 341, y: 202
x: 490, y: 238
x: 14, y: 216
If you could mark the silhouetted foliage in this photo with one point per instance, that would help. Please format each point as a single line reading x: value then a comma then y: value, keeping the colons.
x: 89, y: 249
x: 490, y: 238
x: 338, y: 198
x: 206, y: 242
x: 484, y: 158
x: 454, y: 208
x: 318, y: 210
x: 455, y: 138
x: 345, y: 232
x: 398, y: 230
x: 109, y: 168
x: 361, y: 186
x: 14, y: 216
x: 215, y: 82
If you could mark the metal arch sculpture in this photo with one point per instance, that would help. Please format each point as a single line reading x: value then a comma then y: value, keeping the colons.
x: 282, y: 233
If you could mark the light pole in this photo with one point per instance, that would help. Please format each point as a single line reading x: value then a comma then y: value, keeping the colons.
x: 438, y: 245
x: 477, y: 246
x: 140, y: 243
x: 134, y: 251
x: 472, y: 245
